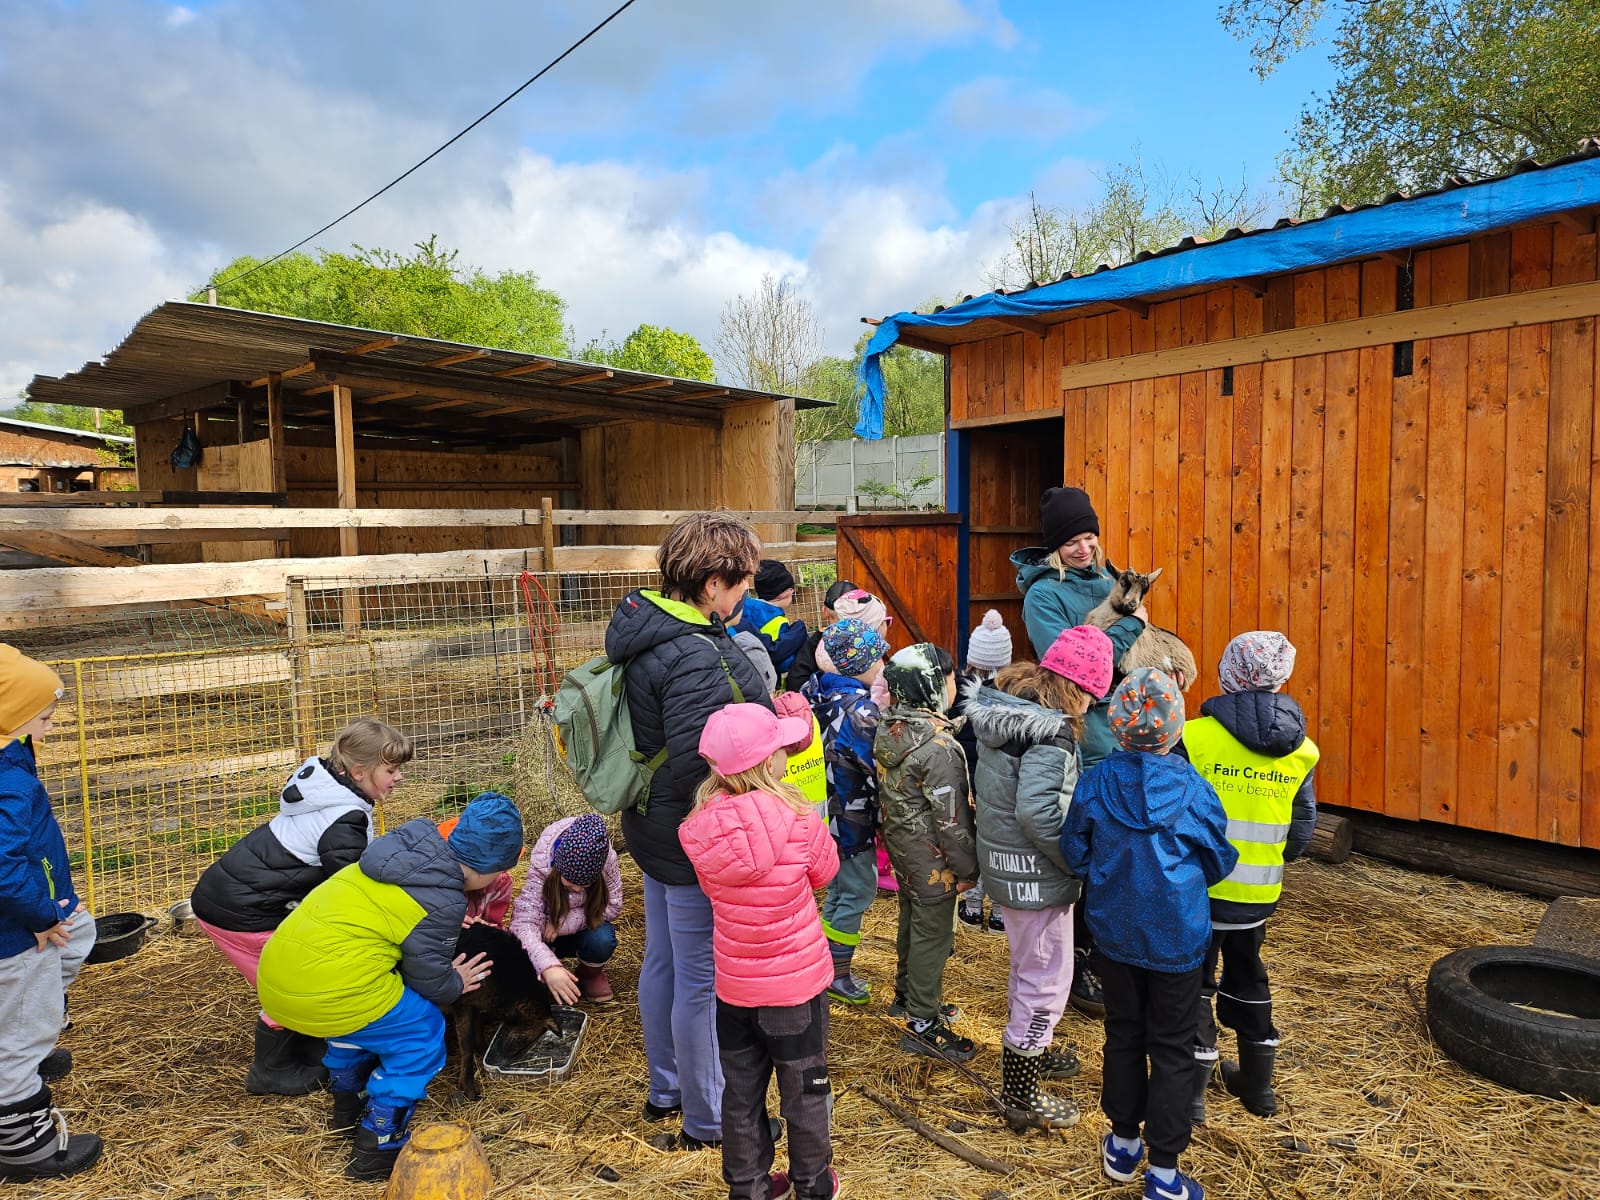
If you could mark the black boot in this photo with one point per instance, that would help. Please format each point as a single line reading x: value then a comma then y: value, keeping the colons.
x: 1026, y: 1102
x: 277, y: 1069
x: 1058, y: 1064
x: 1251, y: 1078
x: 1086, y: 995
x: 56, y: 1065
x: 349, y: 1086
x: 35, y: 1144
x: 378, y: 1140
x: 1203, y: 1069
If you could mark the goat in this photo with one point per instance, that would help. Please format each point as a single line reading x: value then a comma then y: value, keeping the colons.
x: 513, y: 996
x: 1155, y: 647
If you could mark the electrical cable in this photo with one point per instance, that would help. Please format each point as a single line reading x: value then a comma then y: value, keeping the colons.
x: 551, y: 65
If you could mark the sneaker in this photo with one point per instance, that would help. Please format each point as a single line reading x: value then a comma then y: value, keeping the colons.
x: 1184, y: 1187
x: 970, y: 916
x: 1058, y: 1064
x: 1087, y: 996
x: 781, y: 1187
x: 659, y: 1112
x: 1121, y: 1165
x: 939, y: 1041
x: 850, y: 990
x: 948, y: 1013
x: 997, y: 923
x: 687, y: 1141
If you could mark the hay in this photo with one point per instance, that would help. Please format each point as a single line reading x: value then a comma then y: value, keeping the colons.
x: 1371, y: 1109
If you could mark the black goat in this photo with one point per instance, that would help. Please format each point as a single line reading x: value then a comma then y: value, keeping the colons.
x: 513, y: 996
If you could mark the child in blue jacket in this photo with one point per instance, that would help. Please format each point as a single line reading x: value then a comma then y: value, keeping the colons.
x: 44, y: 936
x: 1148, y: 836
x: 766, y: 615
x: 842, y: 701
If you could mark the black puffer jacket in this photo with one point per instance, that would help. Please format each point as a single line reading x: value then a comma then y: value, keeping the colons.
x: 323, y: 825
x: 679, y: 665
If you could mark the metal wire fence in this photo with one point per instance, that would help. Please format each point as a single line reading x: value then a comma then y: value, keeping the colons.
x: 179, y: 726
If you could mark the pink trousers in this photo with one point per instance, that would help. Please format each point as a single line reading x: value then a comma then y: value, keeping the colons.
x: 243, y: 950
x: 1040, y: 940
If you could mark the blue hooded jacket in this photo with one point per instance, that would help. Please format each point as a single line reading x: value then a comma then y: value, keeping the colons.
x: 34, y: 876
x: 849, y: 721
x: 1148, y: 836
x: 781, y: 635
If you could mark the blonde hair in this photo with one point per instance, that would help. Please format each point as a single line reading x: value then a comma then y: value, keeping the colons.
x: 1029, y: 681
x: 704, y: 546
x: 1053, y: 559
x: 368, y: 742
x: 758, y: 778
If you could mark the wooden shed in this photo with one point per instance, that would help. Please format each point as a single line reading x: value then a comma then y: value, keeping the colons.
x: 305, y: 414
x: 1376, y: 431
x: 49, y: 458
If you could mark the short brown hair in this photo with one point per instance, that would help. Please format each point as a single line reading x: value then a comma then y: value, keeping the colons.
x: 704, y: 546
x: 368, y: 742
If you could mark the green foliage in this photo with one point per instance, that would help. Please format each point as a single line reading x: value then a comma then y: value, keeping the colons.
x: 913, y: 383
x: 70, y: 416
x: 1427, y: 89
x: 817, y: 574
x: 656, y: 351
x: 105, y: 858
x: 426, y: 294
x: 900, y: 492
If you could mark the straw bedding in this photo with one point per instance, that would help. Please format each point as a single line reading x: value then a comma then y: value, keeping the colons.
x: 1370, y: 1109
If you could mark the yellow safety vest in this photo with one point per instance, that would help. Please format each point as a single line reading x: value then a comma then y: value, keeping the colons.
x: 808, y: 772
x: 1257, y: 792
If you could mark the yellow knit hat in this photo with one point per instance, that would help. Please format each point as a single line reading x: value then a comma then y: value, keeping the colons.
x: 27, y: 688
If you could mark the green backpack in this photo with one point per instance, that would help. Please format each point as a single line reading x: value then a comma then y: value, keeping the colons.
x: 595, y: 735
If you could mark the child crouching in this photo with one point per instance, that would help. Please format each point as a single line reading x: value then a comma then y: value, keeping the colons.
x: 1148, y: 836
x: 761, y: 851
x: 572, y: 895
x: 369, y: 958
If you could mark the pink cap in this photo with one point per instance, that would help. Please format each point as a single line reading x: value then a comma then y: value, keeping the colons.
x: 740, y: 736
x: 1083, y: 655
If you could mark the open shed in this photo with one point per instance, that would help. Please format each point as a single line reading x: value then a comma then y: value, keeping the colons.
x: 306, y: 414
x: 1375, y: 431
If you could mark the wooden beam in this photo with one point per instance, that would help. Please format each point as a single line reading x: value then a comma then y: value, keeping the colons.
x: 245, y: 418
x: 76, y: 499
x: 1256, y: 285
x: 654, y: 386
x: 524, y: 369
x: 77, y: 521
x: 1569, y: 302
x: 304, y: 368
x: 384, y: 397
x: 710, y: 394
x: 277, y: 446
x: 591, y: 377
x: 208, y: 396
x: 383, y: 343
x: 1138, y: 308
x: 645, y: 516
x: 1026, y: 324
x: 927, y: 345
x: 450, y: 360
x: 344, y: 460
x: 64, y: 549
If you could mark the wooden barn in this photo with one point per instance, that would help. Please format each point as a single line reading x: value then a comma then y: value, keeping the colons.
x: 1376, y: 431
x: 48, y: 458
x: 300, y: 414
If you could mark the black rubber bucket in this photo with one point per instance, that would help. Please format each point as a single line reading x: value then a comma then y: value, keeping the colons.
x: 118, y: 935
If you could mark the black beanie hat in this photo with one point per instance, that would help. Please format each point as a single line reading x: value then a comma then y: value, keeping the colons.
x: 1065, y: 512
x: 772, y: 579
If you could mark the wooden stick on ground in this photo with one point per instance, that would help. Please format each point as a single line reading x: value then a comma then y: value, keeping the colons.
x: 943, y: 1140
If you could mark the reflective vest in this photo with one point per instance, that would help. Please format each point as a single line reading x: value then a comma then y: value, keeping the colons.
x: 808, y: 772
x: 1257, y: 792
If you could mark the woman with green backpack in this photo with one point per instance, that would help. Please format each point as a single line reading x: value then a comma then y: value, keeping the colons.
x: 681, y: 666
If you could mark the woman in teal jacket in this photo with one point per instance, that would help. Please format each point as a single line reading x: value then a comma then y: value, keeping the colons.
x: 1061, y: 583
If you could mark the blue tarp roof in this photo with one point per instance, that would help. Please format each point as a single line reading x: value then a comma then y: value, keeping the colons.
x: 1529, y: 193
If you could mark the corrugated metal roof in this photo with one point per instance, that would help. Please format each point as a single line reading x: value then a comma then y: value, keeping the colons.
x: 404, y: 385
x: 91, y: 435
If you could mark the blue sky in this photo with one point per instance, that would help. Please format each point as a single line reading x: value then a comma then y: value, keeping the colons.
x: 874, y: 151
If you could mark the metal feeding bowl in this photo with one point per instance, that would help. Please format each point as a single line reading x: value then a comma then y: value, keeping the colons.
x: 118, y: 935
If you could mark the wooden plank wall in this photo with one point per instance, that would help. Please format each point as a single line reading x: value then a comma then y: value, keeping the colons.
x: 913, y: 557
x: 1429, y: 541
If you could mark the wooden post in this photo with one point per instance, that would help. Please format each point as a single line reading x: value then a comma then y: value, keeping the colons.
x: 1333, y: 838
x: 344, y: 453
x: 547, y: 531
x: 245, y: 418
x: 276, y: 446
x: 302, y: 694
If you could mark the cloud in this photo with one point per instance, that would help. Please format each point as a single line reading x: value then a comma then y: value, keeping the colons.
x: 993, y: 107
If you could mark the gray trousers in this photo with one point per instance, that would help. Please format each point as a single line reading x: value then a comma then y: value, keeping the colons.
x: 755, y: 1043
x: 927, y: 931
x: 33, y: 988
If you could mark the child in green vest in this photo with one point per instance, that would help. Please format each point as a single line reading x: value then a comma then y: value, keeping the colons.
x: 1250, y: 744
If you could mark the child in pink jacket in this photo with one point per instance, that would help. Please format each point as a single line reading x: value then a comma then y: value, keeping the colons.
x: 761, y: 852
x: 572, y: 895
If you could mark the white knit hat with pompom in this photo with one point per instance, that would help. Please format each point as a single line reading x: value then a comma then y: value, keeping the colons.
x: 989, y: 648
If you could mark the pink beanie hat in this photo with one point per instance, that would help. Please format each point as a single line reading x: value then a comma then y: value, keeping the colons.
x: 1083, y: 655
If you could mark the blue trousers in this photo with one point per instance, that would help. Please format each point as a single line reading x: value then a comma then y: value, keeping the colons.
x: 849, y: 896
x: 678, y: 1006
x: 593, y: 946
x: 407, y: 1043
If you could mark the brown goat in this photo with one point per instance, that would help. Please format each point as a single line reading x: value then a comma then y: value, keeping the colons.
x: 1155, y: 647
x: 513, y: 996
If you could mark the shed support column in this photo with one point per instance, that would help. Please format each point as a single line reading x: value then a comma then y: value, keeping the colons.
x: 276, y: 446
x: 344, y: 454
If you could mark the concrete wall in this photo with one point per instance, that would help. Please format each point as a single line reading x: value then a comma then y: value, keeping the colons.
x: 830, y: 474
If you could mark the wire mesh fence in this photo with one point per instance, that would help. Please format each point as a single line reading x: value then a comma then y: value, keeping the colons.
x: 179, y: 727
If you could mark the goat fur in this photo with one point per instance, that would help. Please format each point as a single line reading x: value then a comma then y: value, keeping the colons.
x: 1155, y: 647
x: 513, y: 996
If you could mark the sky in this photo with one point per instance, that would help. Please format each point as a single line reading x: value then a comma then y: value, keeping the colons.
x: 872, y: 151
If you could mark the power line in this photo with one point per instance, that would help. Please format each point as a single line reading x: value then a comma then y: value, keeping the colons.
x: 551, y: 65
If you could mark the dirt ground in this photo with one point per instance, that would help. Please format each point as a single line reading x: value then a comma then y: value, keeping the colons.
x: 1370, y: 1108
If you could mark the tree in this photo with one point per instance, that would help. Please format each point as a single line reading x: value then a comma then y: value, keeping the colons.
x: 1427, y: 89
x: 655, y: 350
x: 914, y: 382
x: 427, y: 294
x: 769, y: 340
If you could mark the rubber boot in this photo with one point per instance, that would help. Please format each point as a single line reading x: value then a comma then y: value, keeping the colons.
x: 35, y: 1144
x: 378, y: 1140
x: 1204, y: 1068
x: 1251, y: 1078
x: 56, y: 1065
x: 1058, y: 1064
x: 349, y: 1086
x: 310, y: 1051
x: 593, y: 984
x: 1026, y: 1102
x: 277, y: 1069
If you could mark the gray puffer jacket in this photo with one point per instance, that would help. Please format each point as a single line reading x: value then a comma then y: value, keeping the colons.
x: 1027, y: 769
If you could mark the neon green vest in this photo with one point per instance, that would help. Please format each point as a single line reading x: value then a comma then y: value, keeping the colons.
x: 808, y: 772
x: 1257, y: 792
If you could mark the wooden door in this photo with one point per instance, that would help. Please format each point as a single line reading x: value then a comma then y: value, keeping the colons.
x: 908, y: 559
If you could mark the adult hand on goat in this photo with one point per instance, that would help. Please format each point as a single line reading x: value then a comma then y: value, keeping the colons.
x: 473, y: 971
x: 563, y: 984
x: 1142, y: 614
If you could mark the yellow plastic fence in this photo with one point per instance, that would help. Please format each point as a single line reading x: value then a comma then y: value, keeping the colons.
x: 178, y: 730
